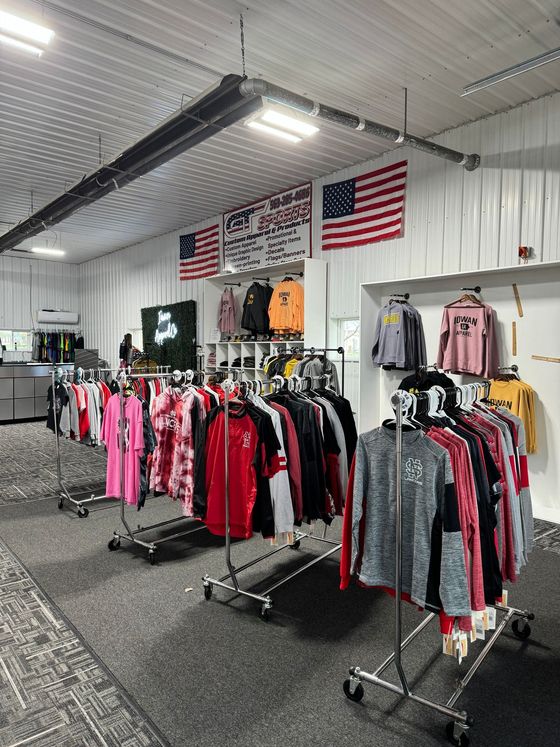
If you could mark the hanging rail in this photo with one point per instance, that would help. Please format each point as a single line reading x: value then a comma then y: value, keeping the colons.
x: 458, y: 729
x: 130, y: 535
x: 264, y: 597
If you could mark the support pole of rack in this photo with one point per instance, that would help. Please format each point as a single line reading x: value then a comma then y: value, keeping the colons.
x: 230, y: 566
x: 398, y: 402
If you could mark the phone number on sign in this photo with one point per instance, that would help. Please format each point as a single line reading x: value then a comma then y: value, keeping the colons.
x: 298, y: 212
x: 287, y: 199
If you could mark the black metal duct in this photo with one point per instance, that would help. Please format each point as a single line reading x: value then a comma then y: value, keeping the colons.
x: 258, y: 87
x: 216, y: 108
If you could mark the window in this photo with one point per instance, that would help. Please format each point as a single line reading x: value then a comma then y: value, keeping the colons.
x: 16, y: 339
x: 23, y: 340
x: 346, y: 334
x: 7, y: 338
x: 349, y: 338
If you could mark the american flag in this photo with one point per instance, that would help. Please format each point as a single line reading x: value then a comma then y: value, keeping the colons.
x: 198, y: 253
x: 365, y: 209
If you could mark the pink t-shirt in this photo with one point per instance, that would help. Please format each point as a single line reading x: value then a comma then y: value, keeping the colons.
x: 134, y: 447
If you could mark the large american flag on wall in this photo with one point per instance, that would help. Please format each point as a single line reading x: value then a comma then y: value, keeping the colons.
x: 199, y: 253
x: 365, y: 209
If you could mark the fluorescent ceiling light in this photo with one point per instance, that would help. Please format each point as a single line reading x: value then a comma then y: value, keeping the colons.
x: 20, y: 27
x: 10, y: 41
x: 512, y: 72
x: 275, y: 117
x: 273, y: 131
x: 46, y: 250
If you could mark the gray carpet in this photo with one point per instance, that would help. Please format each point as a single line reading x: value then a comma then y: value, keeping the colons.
x: 28, y: 464
x: 211, y: 672
x: 53, y: 691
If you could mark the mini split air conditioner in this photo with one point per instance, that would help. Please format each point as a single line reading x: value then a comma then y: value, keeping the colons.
x: 52, y: 316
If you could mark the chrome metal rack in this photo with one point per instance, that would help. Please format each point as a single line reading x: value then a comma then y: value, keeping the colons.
x: 263, y: 597
x: 64, y: 495
x: 131, y: 535
x: 457, y: 730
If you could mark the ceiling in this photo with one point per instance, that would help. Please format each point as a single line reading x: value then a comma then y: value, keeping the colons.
x: 116, y: 68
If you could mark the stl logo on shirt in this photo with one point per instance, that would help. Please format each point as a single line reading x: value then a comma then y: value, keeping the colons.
x: 246, y: 440
x: 413, y: 471
x: 284, y: 298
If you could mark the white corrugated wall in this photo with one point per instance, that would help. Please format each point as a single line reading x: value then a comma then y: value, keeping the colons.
x: 27, y: 285
x: 454, y: 220
x: 116, y: 287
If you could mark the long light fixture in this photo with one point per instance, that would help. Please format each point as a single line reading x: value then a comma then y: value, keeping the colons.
x: 24, y: 46
x: 512, y: 72
x: 18, y: 32
x: 17, y: 26
x: 46, y: 250
x: 291, y: 126
x: 255, y: 125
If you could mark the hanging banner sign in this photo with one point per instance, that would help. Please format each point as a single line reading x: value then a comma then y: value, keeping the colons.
x: 269, y: 232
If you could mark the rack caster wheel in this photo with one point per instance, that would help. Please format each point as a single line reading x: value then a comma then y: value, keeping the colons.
x: 61, y: 503
x: 456, y: 735
x: 152, y: 557
x: 296, y: 545
x: 521, y: 632
x: 83, y: 513
x: 208, y: 589
x: 264, y: 613
x: 114, y: 544
x: 358, y: 693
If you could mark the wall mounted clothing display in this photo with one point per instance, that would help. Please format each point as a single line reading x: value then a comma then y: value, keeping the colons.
x: 520, y: 398
x: 467, y: 342
x: 286, y: 309
x: 255, y: 309
x: 53, y: 347
x: 226, y: 312
x: 399, y: 337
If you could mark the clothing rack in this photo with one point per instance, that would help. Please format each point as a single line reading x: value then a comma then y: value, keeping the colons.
x: 130, y: 535
x: 64, y: 495
x: 457, y: 730
x: 340, y: 350
x: 406, y: 296
x: 476, y: 289
x: 264, y: 597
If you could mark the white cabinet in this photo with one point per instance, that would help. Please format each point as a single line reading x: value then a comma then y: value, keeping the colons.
x: 314, y: 282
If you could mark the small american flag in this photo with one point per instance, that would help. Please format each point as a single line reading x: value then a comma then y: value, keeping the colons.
x: 365, y: 209
x: 198, y: 253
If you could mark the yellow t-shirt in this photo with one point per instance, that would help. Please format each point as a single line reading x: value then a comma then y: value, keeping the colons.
x: 519, y: 397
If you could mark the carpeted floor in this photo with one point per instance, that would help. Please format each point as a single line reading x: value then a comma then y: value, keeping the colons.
x: 53, y: 691
x: 28, y: 463
x: 211, y: 672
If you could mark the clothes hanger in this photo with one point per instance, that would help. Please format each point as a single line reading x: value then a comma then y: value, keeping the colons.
x: 468, y: 297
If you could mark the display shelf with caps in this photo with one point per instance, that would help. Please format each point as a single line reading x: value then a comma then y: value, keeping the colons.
x: 248, y: 351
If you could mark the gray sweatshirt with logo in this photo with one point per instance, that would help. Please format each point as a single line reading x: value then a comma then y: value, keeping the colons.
x: 429, y: 505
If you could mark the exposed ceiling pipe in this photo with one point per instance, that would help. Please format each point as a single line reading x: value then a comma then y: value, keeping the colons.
x: 216, y: 108
x: 258, y: 87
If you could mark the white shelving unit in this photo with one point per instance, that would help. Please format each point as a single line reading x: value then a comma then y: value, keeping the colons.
x: 314, y: 282
x: 539, y: 288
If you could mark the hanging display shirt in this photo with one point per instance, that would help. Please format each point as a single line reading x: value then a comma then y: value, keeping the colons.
x: 285, y: 309
x: 56, y: 406
x: 226, y: 312
x: 468, y: 341
x: 133, y: 447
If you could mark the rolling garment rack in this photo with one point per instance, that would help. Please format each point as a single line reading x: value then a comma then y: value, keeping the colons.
x: 264, y: 597
x: 457, y: 730
x: 131, y: 535
x: 64, y: 495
